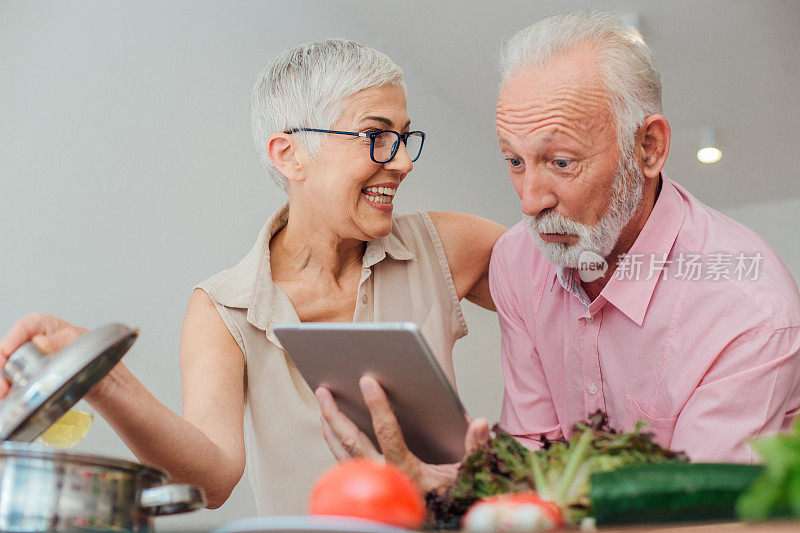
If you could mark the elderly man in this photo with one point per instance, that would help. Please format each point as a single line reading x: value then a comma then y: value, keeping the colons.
x: 619, y: 290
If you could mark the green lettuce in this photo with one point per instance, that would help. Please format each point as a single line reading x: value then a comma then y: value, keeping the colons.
x: 559, y: 472
x: 777, y: 491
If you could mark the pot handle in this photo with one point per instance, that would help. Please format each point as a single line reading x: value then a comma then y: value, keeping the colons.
x: 172, y: 499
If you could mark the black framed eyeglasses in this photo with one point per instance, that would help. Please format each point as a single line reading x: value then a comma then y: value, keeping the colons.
x: 383, y: 144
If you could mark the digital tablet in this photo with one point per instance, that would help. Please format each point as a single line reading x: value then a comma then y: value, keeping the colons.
x: 335, y: 355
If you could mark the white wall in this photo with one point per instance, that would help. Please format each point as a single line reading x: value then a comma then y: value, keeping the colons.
x: 127, y: 174
x: 777, y: 224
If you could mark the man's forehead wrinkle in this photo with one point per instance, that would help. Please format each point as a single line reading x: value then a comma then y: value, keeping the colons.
x: 569, y: 109
x: 550, y: 127
x: 566, y: 117
x: 586, y: 96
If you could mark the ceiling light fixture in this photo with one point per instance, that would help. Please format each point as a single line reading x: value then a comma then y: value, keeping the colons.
x: 708, y: 152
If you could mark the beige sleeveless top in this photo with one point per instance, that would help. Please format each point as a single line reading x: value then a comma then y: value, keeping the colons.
x: 405, y: 277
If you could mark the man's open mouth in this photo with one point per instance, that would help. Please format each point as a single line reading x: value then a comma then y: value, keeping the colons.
x: 554, y: 237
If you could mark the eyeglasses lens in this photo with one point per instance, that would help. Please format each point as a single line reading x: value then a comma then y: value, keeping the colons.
x: 385, y: 144
x: 414, y: 145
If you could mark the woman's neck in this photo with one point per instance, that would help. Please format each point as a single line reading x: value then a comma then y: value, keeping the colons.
x: 305, y: 247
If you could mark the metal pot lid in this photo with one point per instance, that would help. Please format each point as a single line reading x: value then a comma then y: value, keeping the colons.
x: 44, y: 387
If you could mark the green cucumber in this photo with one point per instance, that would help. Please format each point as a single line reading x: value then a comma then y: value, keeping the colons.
x: 670, y: 492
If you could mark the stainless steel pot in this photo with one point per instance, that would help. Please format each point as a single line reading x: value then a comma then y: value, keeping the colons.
x: 47, y: 490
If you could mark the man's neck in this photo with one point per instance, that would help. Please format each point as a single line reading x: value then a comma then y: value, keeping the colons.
x: 626, y: 239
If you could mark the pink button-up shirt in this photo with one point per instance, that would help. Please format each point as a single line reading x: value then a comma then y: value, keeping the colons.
x: 697, y: 333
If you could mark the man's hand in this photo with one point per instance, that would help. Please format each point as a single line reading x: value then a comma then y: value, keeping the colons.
x: 346, y: 441
x: 48, y: 333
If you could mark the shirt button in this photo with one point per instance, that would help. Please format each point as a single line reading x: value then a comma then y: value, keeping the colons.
x: 593, y: 389
x: 590, y: 319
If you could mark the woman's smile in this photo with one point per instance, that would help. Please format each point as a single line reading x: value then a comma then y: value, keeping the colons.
x: 380, y: 196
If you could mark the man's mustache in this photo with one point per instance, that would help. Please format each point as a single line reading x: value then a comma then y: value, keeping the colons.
x: 553, y: 222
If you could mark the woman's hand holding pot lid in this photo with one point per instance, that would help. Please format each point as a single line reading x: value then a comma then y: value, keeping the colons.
x: 48, y: 333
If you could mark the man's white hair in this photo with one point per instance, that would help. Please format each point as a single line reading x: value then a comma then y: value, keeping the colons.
x: 304, y: 88
x: 627, y: 67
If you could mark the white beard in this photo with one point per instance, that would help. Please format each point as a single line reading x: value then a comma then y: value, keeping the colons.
x: 601, y: 238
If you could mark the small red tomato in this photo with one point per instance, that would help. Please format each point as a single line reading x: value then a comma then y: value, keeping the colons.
x: 366, y: 489
x: 523, y: 511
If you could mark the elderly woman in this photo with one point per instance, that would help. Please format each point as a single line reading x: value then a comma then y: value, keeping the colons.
x: 331, y: 126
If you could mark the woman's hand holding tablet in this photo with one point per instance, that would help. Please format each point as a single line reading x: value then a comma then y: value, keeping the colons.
x: 380, y: 388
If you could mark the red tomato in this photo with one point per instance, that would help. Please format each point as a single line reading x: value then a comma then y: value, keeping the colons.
x: 369, y: 490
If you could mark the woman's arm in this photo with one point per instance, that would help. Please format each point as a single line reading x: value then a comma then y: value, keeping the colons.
x: 205, y: 447
x: 468, y: 241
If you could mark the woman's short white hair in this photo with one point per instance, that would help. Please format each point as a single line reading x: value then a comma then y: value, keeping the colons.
x: 627, y: 66
x: 304, y: 88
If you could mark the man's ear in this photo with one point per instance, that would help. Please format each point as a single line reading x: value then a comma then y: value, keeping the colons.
x: 652, y: 145
x: 283, y: 151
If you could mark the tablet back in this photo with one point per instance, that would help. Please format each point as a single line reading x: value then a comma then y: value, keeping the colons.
x: 336, y: 354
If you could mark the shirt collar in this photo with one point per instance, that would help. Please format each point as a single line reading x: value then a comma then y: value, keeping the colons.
x: 569, y: 280
x: 632, y: 296
x: 264, y: 310
x: 553, y: 274
x: 391, y: 245
x: 269, y: 305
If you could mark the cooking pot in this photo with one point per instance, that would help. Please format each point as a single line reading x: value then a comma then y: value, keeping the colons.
x: 42, y: 489
x: 48, y: 490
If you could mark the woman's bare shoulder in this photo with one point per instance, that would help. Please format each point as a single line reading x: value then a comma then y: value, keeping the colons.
x: 468, y: 241
x: 466, y: 233
x: 204, y: 331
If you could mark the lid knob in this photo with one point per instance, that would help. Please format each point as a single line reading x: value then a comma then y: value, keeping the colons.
x: 23, y: 364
